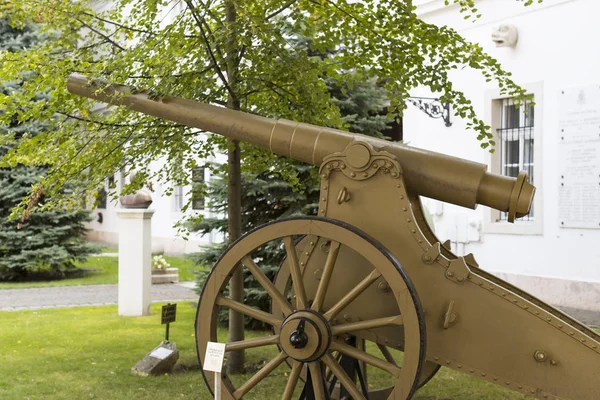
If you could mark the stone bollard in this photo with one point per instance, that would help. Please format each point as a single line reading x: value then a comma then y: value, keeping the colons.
x: 135, y: 261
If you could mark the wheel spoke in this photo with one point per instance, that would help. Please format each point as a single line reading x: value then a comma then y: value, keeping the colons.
x: 326, y: 277
x: 342, y: 377
x: 337, y: 357
x: 297, y: 283
x: 252, y: 343
x: 291, y: 383
x: 266, y: 283
x: 249, y: 311
x: 353, y: 294
x: 387, y: 354
x: 362, y: 356
x: 369, y: 324
x: 260, y: 375
x: 360, y: 367
x: 317, y: 379
x: 362, y: 346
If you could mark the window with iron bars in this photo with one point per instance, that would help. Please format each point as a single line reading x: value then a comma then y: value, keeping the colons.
x: 102, y: 195
x: 516, y: 142
x: 197, y: 188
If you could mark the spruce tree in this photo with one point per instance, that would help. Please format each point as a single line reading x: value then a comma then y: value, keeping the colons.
x: 268, y: 197
x: 46, y: 243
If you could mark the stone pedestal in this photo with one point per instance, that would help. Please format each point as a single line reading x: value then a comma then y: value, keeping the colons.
x: 135, y: 261
x: 168, y: 275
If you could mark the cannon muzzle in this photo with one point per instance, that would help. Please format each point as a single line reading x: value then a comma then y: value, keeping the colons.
x: 426, y: 173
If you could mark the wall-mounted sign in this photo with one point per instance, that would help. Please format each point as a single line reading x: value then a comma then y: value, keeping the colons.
x: 579, y: 157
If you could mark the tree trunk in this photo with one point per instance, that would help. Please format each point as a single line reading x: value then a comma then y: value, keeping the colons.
x: 235, y: 359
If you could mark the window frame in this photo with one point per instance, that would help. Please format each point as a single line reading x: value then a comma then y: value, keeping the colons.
x: 178, y: 198
x: 492, y: 222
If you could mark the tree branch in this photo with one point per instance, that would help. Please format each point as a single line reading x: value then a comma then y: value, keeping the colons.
x: 200, y: 22
x: 206, y: 25
x: 206, y: 8
x: 107, y: 38
x: 112, y: 125
x: 282, y: 9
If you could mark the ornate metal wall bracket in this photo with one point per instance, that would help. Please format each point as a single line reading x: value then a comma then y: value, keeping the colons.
x: 433, y: 107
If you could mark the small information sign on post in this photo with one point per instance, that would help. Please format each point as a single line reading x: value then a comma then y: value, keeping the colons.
x: 169, y: 314
x: 213, y: 361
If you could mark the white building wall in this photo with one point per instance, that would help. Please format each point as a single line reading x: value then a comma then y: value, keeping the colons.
x: 557, y: 49
x: 165, y: 236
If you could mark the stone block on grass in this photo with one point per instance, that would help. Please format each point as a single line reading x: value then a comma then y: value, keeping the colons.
x: 159, y: 361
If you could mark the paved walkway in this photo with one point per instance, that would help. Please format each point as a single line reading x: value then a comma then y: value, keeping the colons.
x: 91, y: 295
x: 102, y: 295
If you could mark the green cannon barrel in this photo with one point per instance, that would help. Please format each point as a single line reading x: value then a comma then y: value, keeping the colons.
x: 429, y: 174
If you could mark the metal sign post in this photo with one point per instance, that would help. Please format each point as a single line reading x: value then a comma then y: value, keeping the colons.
x: 213, y: 361
x: 169, y: 314
x: 217, y: 386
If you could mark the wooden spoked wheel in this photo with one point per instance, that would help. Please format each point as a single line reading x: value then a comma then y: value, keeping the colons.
x: 317, y: 326
x: 393, y: 354
x: 317, y: 246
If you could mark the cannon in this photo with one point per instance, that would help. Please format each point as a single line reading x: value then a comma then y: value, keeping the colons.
x: 367, y: 302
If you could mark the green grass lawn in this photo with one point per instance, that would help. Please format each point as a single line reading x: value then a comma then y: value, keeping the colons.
x: 104, y: 270
x: 87, y: 353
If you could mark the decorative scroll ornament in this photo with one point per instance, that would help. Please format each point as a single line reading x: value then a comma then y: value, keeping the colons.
x: 433, y: 107
x: 359, y: 161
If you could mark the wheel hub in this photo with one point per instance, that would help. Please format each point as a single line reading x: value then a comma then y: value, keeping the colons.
x: 305, y: 335
x: 298, y: 338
